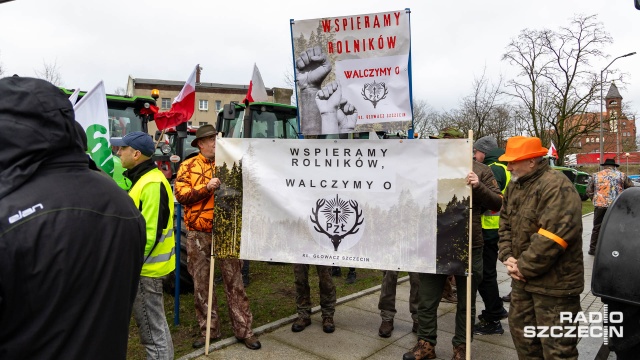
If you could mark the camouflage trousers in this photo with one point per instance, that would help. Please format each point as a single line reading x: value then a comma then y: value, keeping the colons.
x: 529, y: 309
x: 303, y: 293
x: 198, y: 262
x: 387, y: 301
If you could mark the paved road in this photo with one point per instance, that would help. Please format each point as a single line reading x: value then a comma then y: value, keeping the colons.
x: 357, y: 320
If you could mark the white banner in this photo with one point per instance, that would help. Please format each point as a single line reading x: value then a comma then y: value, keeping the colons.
x: 353, y: 72
x: 384, y: 204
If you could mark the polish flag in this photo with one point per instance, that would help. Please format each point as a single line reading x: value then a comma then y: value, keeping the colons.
x: 552, y: 151
x: 257, y: 92
x: 182, y: 107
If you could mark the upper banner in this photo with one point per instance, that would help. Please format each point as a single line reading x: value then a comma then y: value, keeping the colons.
x: 352, y: 73
x: 351, y: 203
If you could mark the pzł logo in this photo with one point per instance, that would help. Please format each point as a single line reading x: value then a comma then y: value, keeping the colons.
x: 336, y: 218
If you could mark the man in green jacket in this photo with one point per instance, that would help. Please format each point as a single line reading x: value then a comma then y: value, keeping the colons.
x: 541, y: 246
x: 151, y: 193
x: 486, y: 151
x: 486, y: 195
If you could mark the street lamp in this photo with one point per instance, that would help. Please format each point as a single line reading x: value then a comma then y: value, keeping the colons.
x: 627, y: 156
x: 601, y: 86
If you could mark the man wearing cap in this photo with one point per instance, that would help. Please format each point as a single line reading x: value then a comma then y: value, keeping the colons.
x: 194, y: 187
x: 486, y: 195
x: 541, y: 246
x: 486, y: 151
x: 71, y: 241
x: 151, y: 193
x: 604, y: 187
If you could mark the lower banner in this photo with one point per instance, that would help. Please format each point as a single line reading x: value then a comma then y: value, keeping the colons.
x: 380, y: 204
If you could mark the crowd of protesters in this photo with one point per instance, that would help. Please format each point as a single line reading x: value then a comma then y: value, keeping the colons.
x: 80, y: 256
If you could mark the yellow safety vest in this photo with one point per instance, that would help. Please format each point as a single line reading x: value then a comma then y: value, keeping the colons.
x: 162, y: 259
x: 491, y: 219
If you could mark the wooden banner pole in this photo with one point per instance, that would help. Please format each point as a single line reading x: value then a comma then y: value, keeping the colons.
x: 470, y: 272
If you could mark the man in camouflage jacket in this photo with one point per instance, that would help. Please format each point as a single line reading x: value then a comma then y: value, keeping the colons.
x: 194, y: 188
x: 541, y: 246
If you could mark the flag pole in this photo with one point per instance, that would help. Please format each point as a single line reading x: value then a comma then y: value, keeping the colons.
x: 160, y: 137
x: 210, y: 297
x: 469, y: 270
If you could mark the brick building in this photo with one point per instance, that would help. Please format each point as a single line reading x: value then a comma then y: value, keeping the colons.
x: 619, y: 132
x: 210, y: 97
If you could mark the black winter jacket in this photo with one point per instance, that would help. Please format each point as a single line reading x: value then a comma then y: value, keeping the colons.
x: 71, y: 241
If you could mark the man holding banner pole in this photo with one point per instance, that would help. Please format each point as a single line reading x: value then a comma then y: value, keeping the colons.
x: 194, y: 188
x: 485, y: 195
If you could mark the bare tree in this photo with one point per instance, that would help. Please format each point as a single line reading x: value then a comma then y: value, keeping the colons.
x: 1, y: 69
x: 51, y: 73
x: 120, y: 91
x: 483, y: 111
x: 556, y: 83
x: 479, y: 109
x: 426, y: 120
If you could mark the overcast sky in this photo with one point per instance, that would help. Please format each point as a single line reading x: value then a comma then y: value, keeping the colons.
x: 452, y: 41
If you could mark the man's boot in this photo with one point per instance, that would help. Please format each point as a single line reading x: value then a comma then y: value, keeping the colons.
x: 385, y: 328
x: 459, y: 352
x: 422, y: 350
x: 488, y: 328
x: 336, y: 271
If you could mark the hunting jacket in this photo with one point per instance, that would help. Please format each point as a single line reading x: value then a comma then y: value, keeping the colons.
x: 541, y: 227
x: 191, y: 191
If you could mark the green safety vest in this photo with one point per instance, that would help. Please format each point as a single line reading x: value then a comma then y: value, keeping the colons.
x: 162, y: 259
x: 491, y: 219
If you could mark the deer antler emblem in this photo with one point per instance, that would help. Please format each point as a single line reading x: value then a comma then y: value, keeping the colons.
x: 374, y: 92
x: 337, y: 213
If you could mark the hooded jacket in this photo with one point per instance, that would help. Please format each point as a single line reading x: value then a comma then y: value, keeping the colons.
x: 71, y: 241
x: 498, y: 172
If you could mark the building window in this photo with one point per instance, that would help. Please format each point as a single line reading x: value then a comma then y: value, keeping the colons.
x: 218, y: 105
x: 189, y: 123
x: 588, y: 140
x: 201, y: 123
x: 166, y: 103
x: 203, y: 105
x: 597, y: 139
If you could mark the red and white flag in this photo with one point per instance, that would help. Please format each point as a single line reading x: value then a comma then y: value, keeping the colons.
x: 552, y: 151
x: 182, y: 107
x: 257, y: 92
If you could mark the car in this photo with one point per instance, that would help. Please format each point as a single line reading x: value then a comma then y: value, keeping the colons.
x: 580, y: 179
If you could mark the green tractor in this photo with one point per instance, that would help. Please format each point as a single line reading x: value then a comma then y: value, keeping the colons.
x: 580, y: 179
